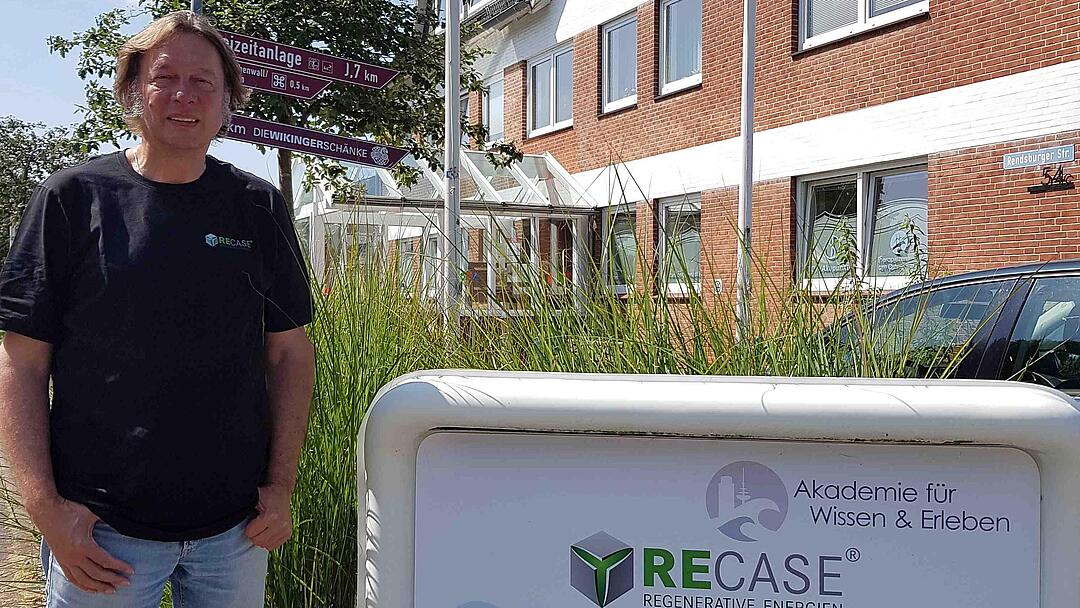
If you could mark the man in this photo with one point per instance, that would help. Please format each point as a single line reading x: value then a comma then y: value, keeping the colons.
x: 164, y: 294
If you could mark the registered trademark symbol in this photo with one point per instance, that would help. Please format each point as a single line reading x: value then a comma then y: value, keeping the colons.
x: 853, y: 555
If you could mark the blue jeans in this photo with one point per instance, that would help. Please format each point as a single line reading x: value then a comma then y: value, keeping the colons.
x: 223, y: 571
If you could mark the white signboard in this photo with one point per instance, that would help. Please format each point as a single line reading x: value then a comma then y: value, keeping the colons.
x: 563, y: 521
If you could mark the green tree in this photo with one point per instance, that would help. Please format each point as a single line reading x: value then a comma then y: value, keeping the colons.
x: 407, y: 113
x: 29, y: 153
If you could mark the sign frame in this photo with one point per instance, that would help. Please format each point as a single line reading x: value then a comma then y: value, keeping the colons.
x: 1024, y: 159
x: 1041, y: 422
x: 347, y: 149
x: 308, y: 62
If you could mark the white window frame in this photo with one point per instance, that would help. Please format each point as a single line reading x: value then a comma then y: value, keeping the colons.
x: 485, y: 106
x: 553, y: 55
x: 864, y: 181
x: 863, y: 24
x: 683, y: 83
x: 693, y: 200
x: 629, y: 100
x: 610, y: 213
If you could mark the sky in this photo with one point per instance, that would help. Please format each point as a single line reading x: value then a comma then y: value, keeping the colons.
x: 36, y: 86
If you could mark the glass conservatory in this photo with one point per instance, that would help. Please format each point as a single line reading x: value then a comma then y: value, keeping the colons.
x: 520, y: 223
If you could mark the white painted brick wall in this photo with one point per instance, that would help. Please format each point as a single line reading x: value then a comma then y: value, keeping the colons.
x: 1030, y: 104
x: 554, y: 24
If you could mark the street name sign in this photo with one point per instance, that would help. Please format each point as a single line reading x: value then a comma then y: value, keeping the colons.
x: 1038, y: 158
x: 278, y: 81
x: 306, y: 61
x: 499, y: 490
x: 308, y: 141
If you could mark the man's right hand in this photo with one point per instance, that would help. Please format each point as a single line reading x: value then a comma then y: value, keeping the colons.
x: 68, y: 528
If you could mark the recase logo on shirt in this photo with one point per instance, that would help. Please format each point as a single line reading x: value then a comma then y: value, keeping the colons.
x: 229, y: 243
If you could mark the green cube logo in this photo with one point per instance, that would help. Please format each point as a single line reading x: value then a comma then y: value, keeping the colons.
x: 601, y: 568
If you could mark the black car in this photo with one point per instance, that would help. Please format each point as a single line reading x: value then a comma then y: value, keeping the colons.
x: 1018, y: 323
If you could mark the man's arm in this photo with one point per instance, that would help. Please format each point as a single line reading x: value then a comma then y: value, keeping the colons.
x: 290, y: 376
x: 24, y: 432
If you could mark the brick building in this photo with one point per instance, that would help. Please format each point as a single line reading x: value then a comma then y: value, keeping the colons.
x: 885, y: 122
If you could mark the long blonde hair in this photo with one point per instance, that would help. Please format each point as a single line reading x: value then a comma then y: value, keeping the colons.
x: 128, y: 60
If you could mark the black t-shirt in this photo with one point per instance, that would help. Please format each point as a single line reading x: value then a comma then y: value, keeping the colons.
x: 155, y: 298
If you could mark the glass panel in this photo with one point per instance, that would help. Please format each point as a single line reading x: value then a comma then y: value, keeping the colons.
x: 465, y: 116
x: 898, y: 238
x: 564, y: 87
x: 558, y: 192
x: 935, y: 329
x: 541, y: 94
x: 682, y: 247
x: 880, y: 7
x: 623, y: 249
x: 493, y: 110
x: 423, y: 189
x: 682, y: 43
x: 406, y: 255
x: 833, y: 216
x: 620, y: 65
x: 510, y: 242
x: 303, y: 233
x: 431, y: 262
x: 827, y: 15
x: 502, y: 180
x: 366, y: 178
x: 1045, y: 345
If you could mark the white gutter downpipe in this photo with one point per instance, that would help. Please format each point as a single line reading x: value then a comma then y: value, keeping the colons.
x: 746, y: 183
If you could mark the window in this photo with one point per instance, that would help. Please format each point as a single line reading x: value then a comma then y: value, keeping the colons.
x: 680, y: 244
x: 406, y: 263
x: 431, y: 264
x: 493, y: 110
x: 551, y: 87
x: 621, y: 248
x: 1045, y: 345
x: 620, y: 63
x: 465, y: 120
x: 868, y: 226
x: 680, y: 44
x: 823, y: 21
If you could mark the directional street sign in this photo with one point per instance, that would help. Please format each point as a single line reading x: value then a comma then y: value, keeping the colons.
x: 306, y: 61
x: 307, y: 141
x: 281, y: 82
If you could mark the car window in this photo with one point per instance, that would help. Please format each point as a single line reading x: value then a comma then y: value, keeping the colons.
x: 930, y: 332
x: 1045, y: 344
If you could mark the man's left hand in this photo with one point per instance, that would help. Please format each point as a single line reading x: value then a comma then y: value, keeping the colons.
x: 273, y: 525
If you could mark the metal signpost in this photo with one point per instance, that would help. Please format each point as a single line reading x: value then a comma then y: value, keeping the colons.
x: 452, y: 265
x: 272, y: 80
x: 479, y: 489
x: 308, y: 141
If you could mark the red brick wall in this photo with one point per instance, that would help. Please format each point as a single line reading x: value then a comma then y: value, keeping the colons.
x: 773, y: 244
x: 982, y: 216
x: 961, y: 42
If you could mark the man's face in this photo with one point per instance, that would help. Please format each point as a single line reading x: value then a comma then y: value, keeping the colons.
x: 183, y: 90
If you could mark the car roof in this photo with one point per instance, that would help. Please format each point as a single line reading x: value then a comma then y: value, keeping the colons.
x: 1007, y: 272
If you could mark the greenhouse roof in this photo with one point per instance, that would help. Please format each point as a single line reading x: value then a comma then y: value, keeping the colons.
x: 537, y: 182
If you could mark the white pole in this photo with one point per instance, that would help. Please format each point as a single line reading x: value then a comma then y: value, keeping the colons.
x: 452, y: 208
x: 746, y: 183
x: 196, y: 7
